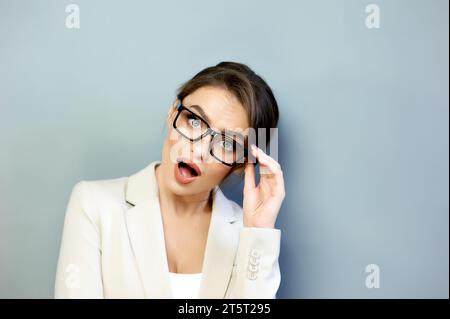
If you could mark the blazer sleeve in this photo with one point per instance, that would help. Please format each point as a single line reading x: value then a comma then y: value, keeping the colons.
x: 256, y: 273
x: 78, y: 272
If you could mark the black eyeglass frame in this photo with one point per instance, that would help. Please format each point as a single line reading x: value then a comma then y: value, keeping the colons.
x: 209, y: 131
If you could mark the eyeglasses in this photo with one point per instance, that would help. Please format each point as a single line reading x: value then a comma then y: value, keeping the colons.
x: 224, y: 148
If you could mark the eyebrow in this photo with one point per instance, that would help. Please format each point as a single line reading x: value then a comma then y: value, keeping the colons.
x: 203, y: 114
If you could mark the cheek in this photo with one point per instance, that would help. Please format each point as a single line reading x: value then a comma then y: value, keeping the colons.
x: 169, y: 152
x: 172, y: 140
x: 216, y: 171
x: 172, y: 137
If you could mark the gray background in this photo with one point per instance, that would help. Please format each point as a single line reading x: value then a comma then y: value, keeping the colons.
x: 363, y: 128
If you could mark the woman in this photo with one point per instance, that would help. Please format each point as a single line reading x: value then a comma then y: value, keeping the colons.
x: 168, y: 231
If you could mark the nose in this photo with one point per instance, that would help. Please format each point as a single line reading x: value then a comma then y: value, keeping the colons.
x: 200, y: 149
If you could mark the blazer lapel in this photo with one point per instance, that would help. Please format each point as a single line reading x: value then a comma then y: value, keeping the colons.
x: 146, y: 233
x: 221, y: 247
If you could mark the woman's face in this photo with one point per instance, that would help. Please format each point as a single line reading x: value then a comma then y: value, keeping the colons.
x: 222, y: 110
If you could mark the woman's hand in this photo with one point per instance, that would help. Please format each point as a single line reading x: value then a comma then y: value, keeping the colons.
x: 262, y: 203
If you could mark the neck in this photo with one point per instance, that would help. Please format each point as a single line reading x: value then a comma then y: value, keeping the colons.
x: 182, y: 205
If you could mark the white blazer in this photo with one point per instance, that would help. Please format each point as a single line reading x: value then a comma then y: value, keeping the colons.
x: 113, y: 245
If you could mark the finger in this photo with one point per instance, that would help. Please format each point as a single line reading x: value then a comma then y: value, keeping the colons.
x: 270, y: 169
x: 269, y: 158
x: 268, y: 164
x: 249, y: 182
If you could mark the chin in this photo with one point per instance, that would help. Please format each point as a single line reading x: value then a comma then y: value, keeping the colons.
x: 180, y: 190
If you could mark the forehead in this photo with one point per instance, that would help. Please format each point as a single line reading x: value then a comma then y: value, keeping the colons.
x: 221, y: 107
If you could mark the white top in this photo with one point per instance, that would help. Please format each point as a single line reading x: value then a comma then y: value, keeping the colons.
x: 185, y: 286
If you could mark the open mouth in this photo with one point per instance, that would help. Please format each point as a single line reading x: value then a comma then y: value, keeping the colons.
x: 187, y: 170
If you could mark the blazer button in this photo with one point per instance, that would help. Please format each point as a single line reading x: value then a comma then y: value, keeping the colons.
x: 254, y: 261
x: 251, y: 275
x: 255, y: 253
x: 253, y: 268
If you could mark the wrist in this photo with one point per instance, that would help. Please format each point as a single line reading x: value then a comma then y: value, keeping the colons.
x: 259, y: 225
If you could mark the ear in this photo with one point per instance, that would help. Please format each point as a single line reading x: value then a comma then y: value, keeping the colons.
x: 172, y: 112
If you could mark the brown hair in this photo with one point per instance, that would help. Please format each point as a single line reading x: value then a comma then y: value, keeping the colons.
x: 250, y: 89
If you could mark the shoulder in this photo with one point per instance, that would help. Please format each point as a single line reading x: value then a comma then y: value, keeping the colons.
x: 100, y: 190
x: 94, y: 198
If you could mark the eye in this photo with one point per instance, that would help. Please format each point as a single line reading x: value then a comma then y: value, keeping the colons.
x: 194, y: 121
x: 228, y: 145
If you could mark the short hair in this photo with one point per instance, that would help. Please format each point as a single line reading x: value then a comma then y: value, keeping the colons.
x: 248, y: 87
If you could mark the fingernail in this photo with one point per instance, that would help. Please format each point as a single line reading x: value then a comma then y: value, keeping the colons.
x: 254, y: 147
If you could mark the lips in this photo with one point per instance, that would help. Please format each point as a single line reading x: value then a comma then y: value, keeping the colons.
x: 186, y: 171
